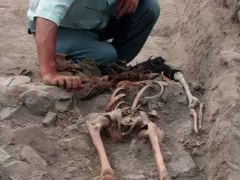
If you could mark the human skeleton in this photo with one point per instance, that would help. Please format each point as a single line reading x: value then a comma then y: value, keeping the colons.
x: 120, y: 119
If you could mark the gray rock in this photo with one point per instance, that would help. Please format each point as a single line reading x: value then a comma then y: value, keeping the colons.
x: 7, y: 112
x: 35, y: 136
x: 50, y: 119
x: 37, y: 102
x: 18, y: 170
x: 135, y: 177
x: 33, y: 158
x: 8, y: 95
x: 20, y: 80
x: 63, y: 105
x: 40, y: 98
x: 3, y: 155
x: 183, y: 164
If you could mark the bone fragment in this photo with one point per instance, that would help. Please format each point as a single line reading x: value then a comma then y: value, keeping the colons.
x: 136, y: 122
x: 121, y: 103
x: 94, y: 127
x: 192, y: 100
x: 194, y: 115
x: 200, y: 116
x: 153, y: 113
x: 156, y: 135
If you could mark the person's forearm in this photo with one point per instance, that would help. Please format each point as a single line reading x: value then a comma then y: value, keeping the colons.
x: 46, y: 34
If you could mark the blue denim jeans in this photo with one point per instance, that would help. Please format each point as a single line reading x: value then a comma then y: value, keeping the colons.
x: 128, y: 35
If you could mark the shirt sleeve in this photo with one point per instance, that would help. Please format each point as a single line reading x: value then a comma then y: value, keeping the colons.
x: 53, y: 10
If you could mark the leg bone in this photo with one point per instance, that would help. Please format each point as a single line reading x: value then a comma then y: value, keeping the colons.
x: 200, y: 116
x: 156, y: 136
x: 94, y: 127
x: 193, y: 101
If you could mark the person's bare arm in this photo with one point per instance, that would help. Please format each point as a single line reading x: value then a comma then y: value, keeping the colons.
x: 46, y: 35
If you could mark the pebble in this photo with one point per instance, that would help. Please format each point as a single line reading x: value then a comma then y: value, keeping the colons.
x: 18, y: 170
x: 7, y: 112
x: 182, y: 164
x: 167, y: 156
x: 50, y: 119
x: 3, y: 155
x: 33, y: 158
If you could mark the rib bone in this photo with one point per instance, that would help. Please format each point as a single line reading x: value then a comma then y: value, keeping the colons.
x: 192, y: 100
x: 113, y: 101
x: 159, y: 94
x: 94, y: 127
x: 136, y: 100
x: 156, y: 135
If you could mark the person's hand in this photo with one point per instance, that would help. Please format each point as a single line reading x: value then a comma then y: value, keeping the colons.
x: 62, y: 81
x: 125, y: 7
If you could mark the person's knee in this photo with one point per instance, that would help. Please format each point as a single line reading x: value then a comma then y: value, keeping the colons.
x: 108, y: 55
x: 153, y: 9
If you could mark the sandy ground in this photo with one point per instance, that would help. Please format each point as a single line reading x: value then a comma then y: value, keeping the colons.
x: 201, y: 38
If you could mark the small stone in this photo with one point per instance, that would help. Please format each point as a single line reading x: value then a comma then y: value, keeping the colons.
x: 198, y: 152
x: 37, y: 102
x: 183, y: 164
x: 7, y: 112
x: 165, y: 112
x: 50, y: 119
x: 135, y: 177
x: 63, y: 105
x: 3, y: 155
x: 167, y: 156
x: 33, y: 158
x: 18, y: 170
x: 173, y: 174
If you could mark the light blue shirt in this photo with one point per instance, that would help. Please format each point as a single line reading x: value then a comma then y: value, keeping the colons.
x: 77, y: 14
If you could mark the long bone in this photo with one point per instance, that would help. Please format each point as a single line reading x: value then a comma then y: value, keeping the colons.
x: 192, y: 100
x: 200, y: 116
x: 155, y: 136
x: 195, y: 120
x: 95, y: 125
